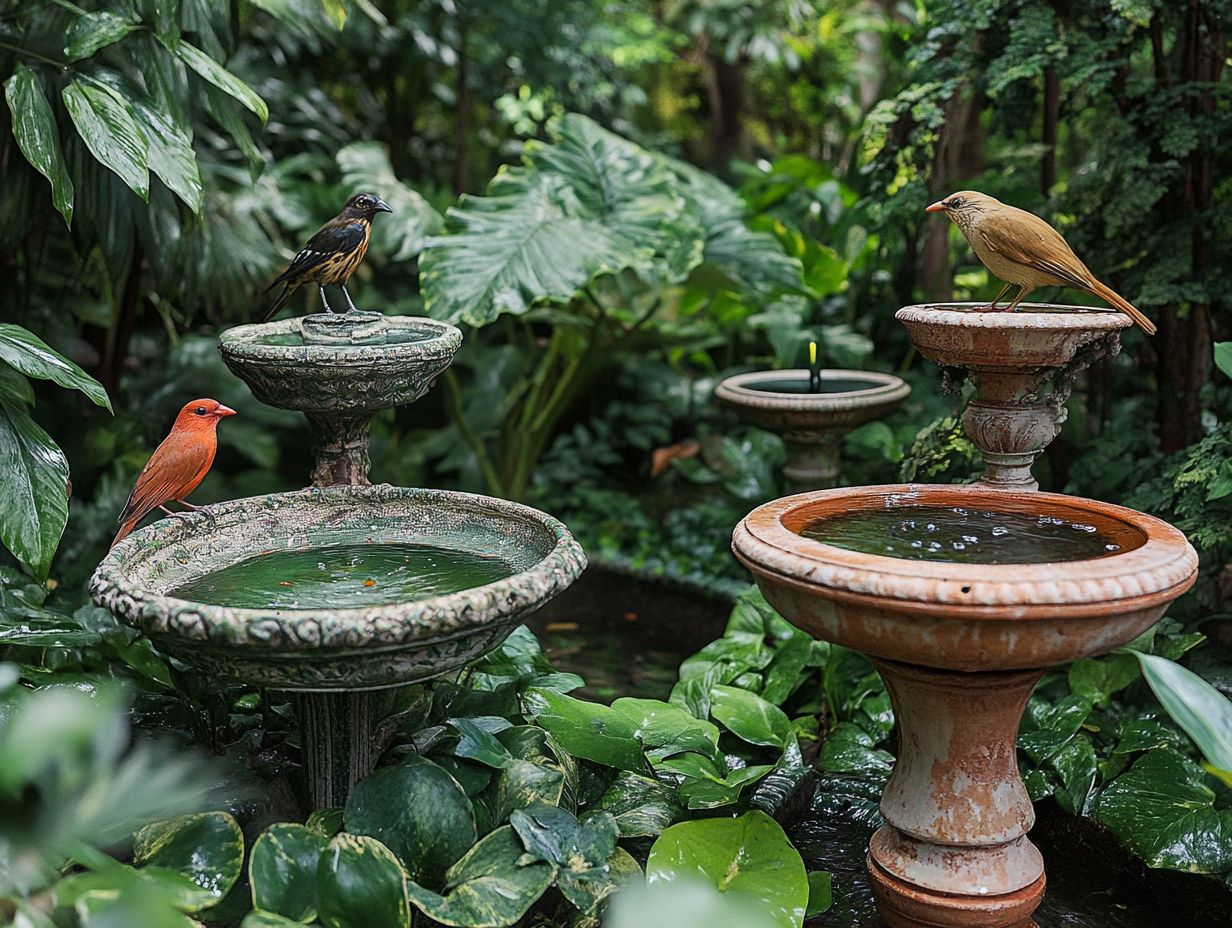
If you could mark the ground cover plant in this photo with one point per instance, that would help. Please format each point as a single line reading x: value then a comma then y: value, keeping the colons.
x: 715, y: 185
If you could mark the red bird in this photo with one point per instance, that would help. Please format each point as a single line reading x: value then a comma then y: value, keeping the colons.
x: 177, y: 466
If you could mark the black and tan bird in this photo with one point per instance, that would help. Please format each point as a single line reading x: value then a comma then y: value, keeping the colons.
x: 1022, y: 249
x: 332, y: 255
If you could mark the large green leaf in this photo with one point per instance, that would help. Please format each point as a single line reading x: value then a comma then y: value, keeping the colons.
x: 747, y: 857
x: 587, y: 729
x: 33, y: 357
x: 171, y: 154
x: 1201, y: 710
x: 92, y: 31
x: 34, y: 492
x: 1223, y: 356
x: 282, y: 871
x: 106, y: 126
x: 34, y: 127
x: 642, y: 806
x: 119, y: 895
x: 208, y: 848
x: 493, y: 885
x: 213, y: 72
x: 360, y: 885
x: 522, y: 783
x: 664, y: 729
x: 1165, y: 813
x: 579, y: 848
x: 521, y: 244
x: 420, y: 812
x: 750, y: 717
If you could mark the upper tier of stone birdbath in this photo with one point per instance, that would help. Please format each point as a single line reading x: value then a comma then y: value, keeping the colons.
x: 1023, y: 365
x: 813, y: 425
x: 340, y: 371
x: 342, y: 591
x: 933, y: 583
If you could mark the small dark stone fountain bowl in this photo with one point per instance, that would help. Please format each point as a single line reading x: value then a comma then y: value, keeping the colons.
x: 813, y: 425
x: 336, y: 662
x: 961, y: 647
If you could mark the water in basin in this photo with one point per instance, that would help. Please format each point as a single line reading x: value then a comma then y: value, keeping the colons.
x: 394, y: 335
x: 800, y: 385
x: 970, y: 536
x: 344, y: 576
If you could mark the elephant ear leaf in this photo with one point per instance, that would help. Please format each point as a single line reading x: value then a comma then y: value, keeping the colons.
x: 34, y: 494
x: 29, y: 354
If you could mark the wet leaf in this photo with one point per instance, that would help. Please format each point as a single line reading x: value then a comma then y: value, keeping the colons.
x: 1099, y: 678
x: 850, y: 749
x: 664, y: 729
x: 106, y: 126
x: 1164, y: 812
x: 283, y: 870
x: 643, y: 807
x: 213, y: 72
x: 268, y: 920
x: 493, y: 885
x: 478, y: 744
x: 585, y: 729
x: 523, y: 783
x: 747, y: 857
x: 34, y: 493
x: 35, y: 358
x: 750, y: 717
x: 92, y: 31
x: 821, y: 895
x: 360, y: 885
x: 34, y: 127
x: 327, y: 822
x: 579, y: 848
x: 170, y: 153
x: 1201, y: 710
x: 419, y: 812
x: 208, y: 848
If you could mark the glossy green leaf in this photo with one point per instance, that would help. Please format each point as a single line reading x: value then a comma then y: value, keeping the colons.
x: 821, y: 893
x: 34, y: 127
x: 683, y: 903
x: 642, y: 806
x: 92, y: 31
x: 1100, y: 677
x: 493, y: 885
x: 336, y: 10
x: 170, y: 153
x: 268, y: 920
x: 579, y: 848
x: 586, y: 729
x: 208, y: 848
x: 747, y: 857
x: 750, y: 717
x: 326, y: 822
x: 664, y: 729
x: 360, y: 884
x: 850, y: 749
x: 106, y: 126
x: 1201, y: 710
x: 1223, y: 357
x: 1164, y: 812
x: 523, y: 783
x: 420, y: 812
x: 477, y: 744
x: 36, y: 633
x: 35, y: 358
x: 213, y: 72
x: 282, y: 870
x: 34, y: 492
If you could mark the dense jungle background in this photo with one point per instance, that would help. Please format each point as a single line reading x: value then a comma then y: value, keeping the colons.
x: 620, y: 202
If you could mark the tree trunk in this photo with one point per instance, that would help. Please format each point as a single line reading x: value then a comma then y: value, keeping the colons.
x: 725, y: 95
x: 959, y: 155
x: 1052, y: 112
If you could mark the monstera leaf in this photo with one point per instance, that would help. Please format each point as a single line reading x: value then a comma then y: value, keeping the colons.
x: 588, y: 205
x: 365, y: 166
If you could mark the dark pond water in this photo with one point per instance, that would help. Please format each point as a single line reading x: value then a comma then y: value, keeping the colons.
x: 801, y: 385
x: 628, y: 636
x: 966, y: 536
x: 344, y: 576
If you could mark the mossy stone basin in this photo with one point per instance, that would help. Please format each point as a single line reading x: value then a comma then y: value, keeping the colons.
x: 961, y: 626
x: 518, y: 558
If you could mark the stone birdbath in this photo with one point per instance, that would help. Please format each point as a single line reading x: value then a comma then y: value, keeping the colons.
x: 340, y: 592
x: 962, y: 596
x: 1023, y: 366
x: 812, y: 424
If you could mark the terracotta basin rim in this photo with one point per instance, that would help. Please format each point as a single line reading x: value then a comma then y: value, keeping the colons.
x: 1151, y: 573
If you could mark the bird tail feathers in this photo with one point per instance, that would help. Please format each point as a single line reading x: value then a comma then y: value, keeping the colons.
x: 279, y: 302
x: 1108, y: 295
x: 126, y: 529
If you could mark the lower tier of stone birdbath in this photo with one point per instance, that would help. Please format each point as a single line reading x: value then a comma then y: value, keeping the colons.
x: 1023, y: 366
x: 337, y: 595
x: 340, y: 370
x: 962, y: 596
x: 813, y: 425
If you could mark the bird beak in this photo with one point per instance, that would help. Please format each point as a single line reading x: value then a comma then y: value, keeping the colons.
x: 937, y: 207
x: 382, y: 206
x: 222, y: 411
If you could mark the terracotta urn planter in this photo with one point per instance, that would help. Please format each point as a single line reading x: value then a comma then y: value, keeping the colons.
x: 813, y: 425
x: 960, y: 646
x: 1023, y: 366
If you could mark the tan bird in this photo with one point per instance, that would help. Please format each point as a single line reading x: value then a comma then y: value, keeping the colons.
x: 1020, y: 248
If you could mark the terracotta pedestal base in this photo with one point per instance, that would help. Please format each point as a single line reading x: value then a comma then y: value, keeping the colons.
x: 903, y: 905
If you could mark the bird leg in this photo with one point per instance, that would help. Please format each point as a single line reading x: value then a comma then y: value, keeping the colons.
x: 1018, y: 299
x: 324, y: 301
x: 348, y: 299
x: 189, y: 506
x: 992, y: 307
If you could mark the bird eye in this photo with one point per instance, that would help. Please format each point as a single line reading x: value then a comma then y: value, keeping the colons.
x: 363, y: 201
x: 200, y: 410
x: 956, y: 203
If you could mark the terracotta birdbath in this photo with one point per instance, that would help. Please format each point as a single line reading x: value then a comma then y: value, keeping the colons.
x: 342, y: 591
x: 961, y: 631
x: 813, y: 425
x: 1023, y: 366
